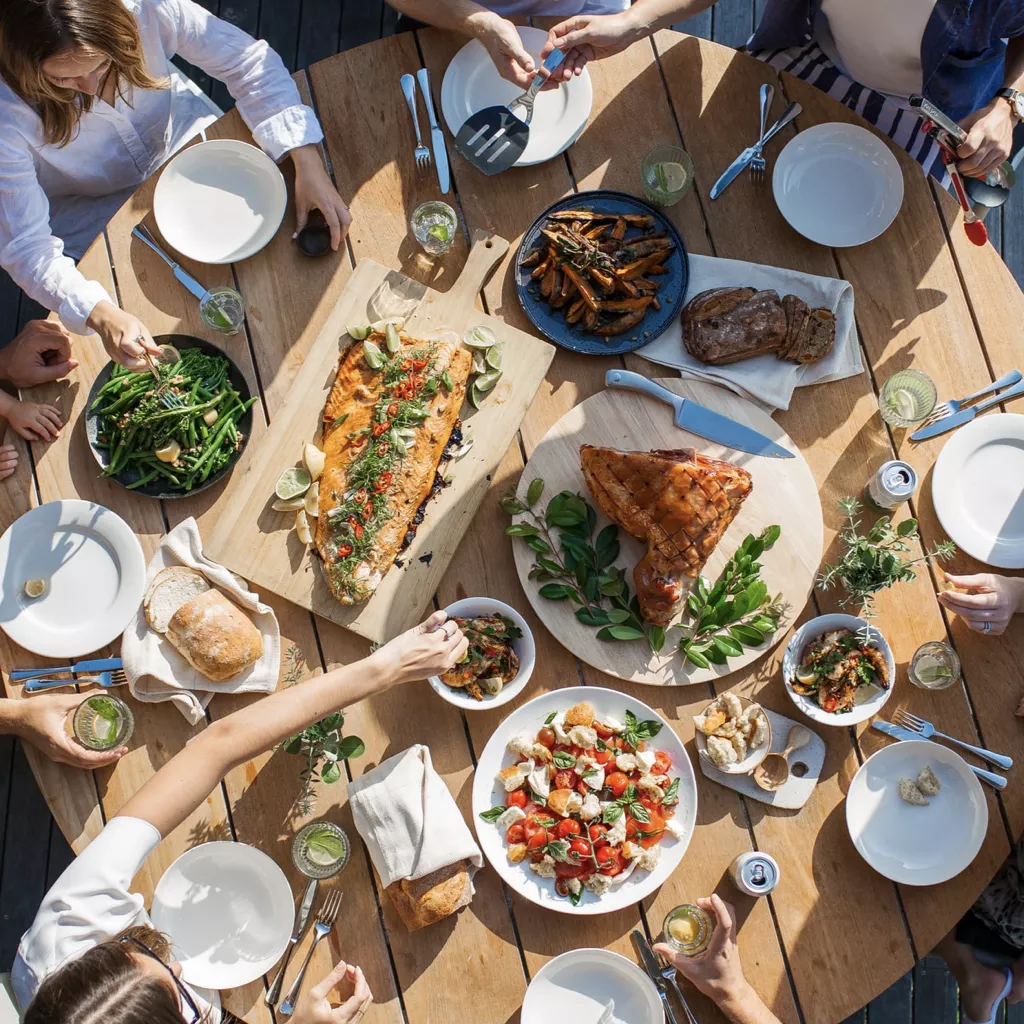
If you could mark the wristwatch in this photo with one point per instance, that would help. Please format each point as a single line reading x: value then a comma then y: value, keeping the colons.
x: 1016, y: 101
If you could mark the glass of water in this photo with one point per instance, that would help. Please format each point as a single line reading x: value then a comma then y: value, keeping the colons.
x: 434, y: 224
x: 935, y: 666
x: 222, y: 309
x: 102, y: 722
x: 320, y: 850
x: 667, y: 173
x: 907, y: 398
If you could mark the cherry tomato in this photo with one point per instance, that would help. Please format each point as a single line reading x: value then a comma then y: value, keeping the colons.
x: 580, y: 847
x: 568, y: 827
x: 617, y: 783
x: 344, y: 550
x: 603, y: 731
x: 561, y: 886
x: 830, y: 705
x: 565, y: 779
x: 538, y: 839
x: 517, y: 798
x: 546, y: 737
x: 613, y: 867
x: 583, y: 789
x: 393, y: 410
x: 531, y: 828
x: 603, y: 756
x: 662, y: 763
x: 515, y: 833
x: 656, y: 826
x: 596, y: 832
x: 631, y: 828
x: 605, y: 855
x: 530, y: 808
x: 568, y: 870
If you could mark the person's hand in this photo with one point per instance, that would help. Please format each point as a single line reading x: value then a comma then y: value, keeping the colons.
x: 428, y: 649
x: 313, y: 1006
x: 588, y: 37
x: 34, y: 422
x: 989, y: 138
x: 41, y: 352
x: 992, y: 599
x: 505, y: 46
x: 124, y: 336
x: 40, y: 720
x: 717, y: 972
x: 8, y: 460
x: 313, y: 190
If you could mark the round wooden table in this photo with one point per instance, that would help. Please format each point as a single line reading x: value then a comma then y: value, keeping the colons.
x: 835, y: 933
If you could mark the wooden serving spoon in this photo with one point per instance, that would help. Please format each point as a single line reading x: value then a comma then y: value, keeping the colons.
x: 773, y: 772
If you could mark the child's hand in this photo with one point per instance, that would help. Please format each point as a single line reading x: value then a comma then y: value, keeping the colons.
x: 8, y: 460
x: 35, y: 422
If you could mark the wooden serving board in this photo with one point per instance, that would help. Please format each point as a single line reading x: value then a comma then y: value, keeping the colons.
x: 784, y: 492
x: 260, y: 544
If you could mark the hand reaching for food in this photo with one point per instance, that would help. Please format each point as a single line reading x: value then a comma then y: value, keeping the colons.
x: 985, y: 601
x: 428, y: 649
x: 125, y: 337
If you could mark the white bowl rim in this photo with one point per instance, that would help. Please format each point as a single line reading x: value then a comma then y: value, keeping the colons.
x: 526, y: 649
x: 747, y: 765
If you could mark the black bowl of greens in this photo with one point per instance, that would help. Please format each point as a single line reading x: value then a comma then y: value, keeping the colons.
x: 198, y: 418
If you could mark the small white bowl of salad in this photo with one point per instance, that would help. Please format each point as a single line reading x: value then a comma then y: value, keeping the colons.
x: 501, y: 655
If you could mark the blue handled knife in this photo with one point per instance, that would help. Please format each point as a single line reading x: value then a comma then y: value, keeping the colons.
x: 97, y: 665
x: 958, y: 419
x: 140, y: 232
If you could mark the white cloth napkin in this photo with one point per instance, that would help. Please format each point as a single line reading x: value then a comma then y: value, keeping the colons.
x: 768, y: 380
x: 409, y: 820
x: 157, y: 672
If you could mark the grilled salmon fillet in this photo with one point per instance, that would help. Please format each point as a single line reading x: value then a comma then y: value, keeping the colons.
x: 384, y: 431
x: 680, y: 502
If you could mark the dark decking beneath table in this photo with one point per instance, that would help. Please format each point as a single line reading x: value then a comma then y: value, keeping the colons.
x: 32, y: 851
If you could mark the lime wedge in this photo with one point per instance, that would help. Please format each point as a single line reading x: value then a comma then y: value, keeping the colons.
x: 902, y: 403
x: 391, y: 338
x: 291, y: 505
x: 476, y: 396
x: 358, y: 333
x: 292, y: 483
x: 493, y: 358
x: 479, y: 337
x: 439, y: 231
x: 486, y: 381
x: 479, y: 361
x: 670, y: 176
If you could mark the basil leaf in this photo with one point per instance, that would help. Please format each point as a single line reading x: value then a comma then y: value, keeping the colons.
x: 559, y: 849
x: 648, y: 729
x: 628, y: 795
x: 563, y: 759
x: 611, y: 814
x: 671, y: 794
x: 575, y: 897
x: 493, y: 814
x: 639, y: 813
x: 551, y: 718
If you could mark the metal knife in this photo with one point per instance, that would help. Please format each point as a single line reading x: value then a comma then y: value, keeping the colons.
x: 958, y: 419
x: 436, y: 135
x: 899, y: 733
x: 699, y: 420
x: 301, y: 921
x: 182, y: 275
x: 97, y: 665
x: 738, y: 165
x: 653, y: 969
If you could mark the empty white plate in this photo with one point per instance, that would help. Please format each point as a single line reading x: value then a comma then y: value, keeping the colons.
x: 838, y: 184
x: 910, y: 844
x: 578, y: 986
x: 219, y: 201
x: 978, y: 489
x: 228, y: 910
x: 93, y: 569
x: 471, y: 83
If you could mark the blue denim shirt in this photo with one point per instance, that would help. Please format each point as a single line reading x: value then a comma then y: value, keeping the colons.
x: 962, y: 53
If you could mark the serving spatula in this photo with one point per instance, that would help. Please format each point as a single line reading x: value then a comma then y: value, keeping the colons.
x: 494, y: 138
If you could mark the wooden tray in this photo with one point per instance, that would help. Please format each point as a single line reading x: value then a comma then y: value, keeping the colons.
x: 260, y: 545
x: 796, y: 792
x: 784, y: 492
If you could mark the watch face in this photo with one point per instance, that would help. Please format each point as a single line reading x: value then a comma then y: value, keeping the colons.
x: 1018, y: 105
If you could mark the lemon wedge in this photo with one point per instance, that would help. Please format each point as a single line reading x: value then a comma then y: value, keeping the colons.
x: 312, y: 502
x: 314, y: 460
x: 804, y: 675
x: 302, y: 527
x: 291, y: 505
x: 35, y: 588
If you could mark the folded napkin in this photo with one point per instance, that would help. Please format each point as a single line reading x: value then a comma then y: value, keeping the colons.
x: 409, y: 820
x: 157, y: 672
x: 766, y: 379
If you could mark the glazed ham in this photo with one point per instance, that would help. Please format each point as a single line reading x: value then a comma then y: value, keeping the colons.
x: 385, y: 429
x: 680, y: 502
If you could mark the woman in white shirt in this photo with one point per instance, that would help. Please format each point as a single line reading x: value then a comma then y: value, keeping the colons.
x: 91, y: 954
x: 90, y: 106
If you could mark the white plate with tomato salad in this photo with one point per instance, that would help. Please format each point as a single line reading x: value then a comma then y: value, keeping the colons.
x: 545, y: 849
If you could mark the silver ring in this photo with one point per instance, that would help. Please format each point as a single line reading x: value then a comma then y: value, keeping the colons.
x: 455, y: 630
x: 986, y: 627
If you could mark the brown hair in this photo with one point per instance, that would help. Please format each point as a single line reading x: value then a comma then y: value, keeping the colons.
x: 33, y: 31
x: 106, y: 985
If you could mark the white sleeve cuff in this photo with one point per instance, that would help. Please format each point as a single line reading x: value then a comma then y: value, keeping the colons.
x: 292, y: 127
x: 77, y: 306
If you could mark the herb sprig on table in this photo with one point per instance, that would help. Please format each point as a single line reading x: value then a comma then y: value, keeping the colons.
x: 876, y: 560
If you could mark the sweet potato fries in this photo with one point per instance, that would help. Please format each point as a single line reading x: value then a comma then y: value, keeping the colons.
x: 587, y: 267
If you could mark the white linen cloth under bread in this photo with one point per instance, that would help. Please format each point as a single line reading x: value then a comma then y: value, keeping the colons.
x: 55, y: 200
x: 409, y: 820
x: 157, y: 672
x: 766, y: 379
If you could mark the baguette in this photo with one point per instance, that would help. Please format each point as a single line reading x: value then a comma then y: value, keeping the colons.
x: 215, y: 636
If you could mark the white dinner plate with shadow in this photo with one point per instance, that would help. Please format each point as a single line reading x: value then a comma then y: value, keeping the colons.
x: 838, y: 184
x: 219, y: 201
x: 93, y: 569
x: 978, y: 489
x: 471, y: 83
x: 591, y: 986
x: 907, y: 843
x: 228, y: 910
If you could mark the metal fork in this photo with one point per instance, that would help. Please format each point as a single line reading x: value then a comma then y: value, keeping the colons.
x: 421, y: 153
x: 757, y: 163
x: 115, y: 677
x: 944, y: 409
x: 325, y: 918
x: 668, y: 972
x: 927, y: 730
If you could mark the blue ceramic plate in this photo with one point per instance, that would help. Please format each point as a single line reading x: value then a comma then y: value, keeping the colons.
x: 575, y: 337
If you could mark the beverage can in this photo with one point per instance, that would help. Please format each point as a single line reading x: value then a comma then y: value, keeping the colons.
x: 754, y: 874
x: 893, y: 484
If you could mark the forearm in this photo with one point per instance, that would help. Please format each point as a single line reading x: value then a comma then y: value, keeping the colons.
x: 10, y: 715
x: 181, y: 785
x: 746, y: 1007
x: 648, y: 16
x: 6, y: 405
x: 463, y: 16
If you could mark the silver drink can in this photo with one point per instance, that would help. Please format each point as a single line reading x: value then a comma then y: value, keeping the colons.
x: 893, y: 484
x: 754, y: 874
